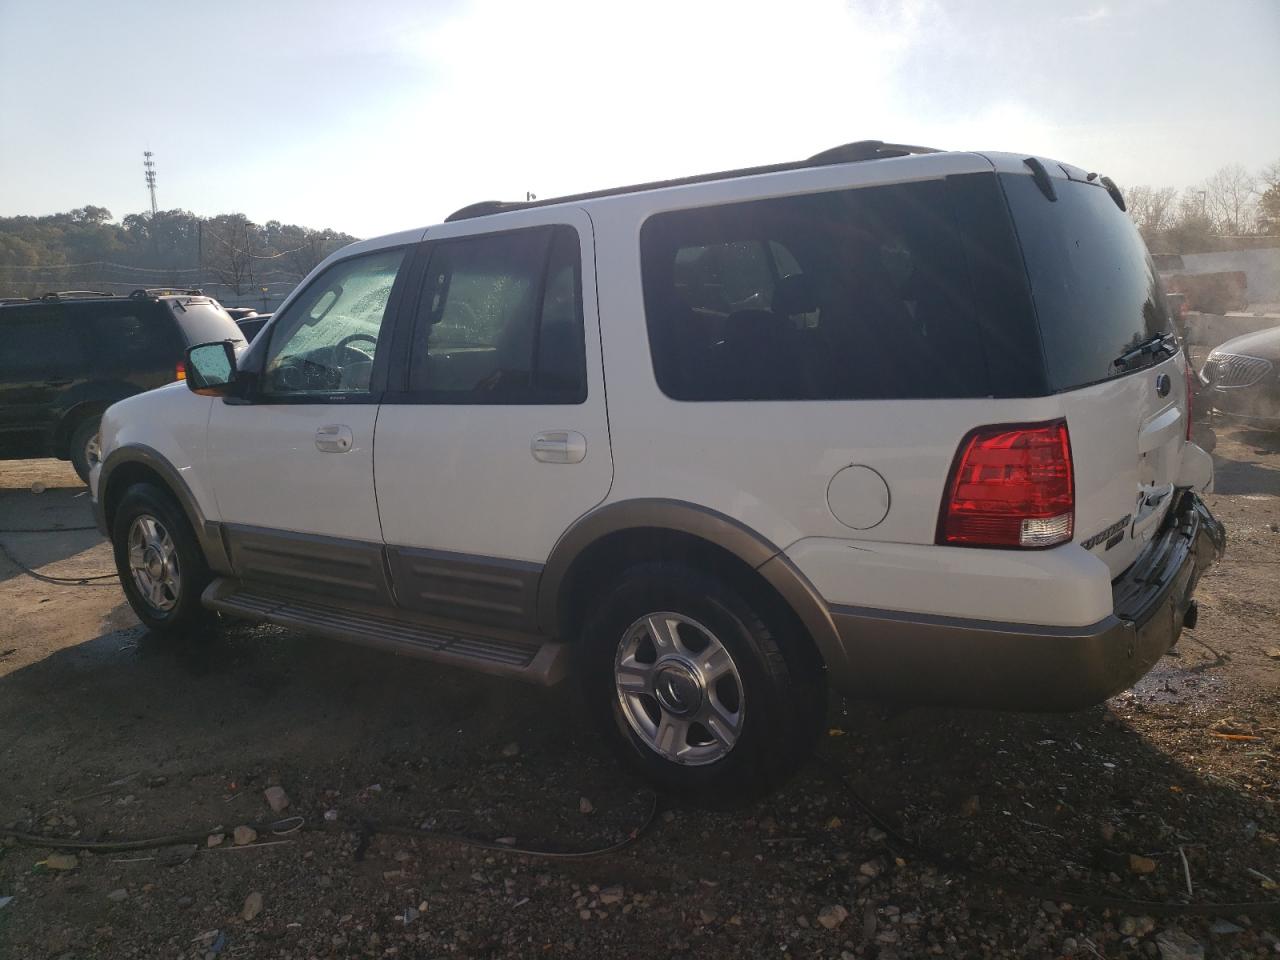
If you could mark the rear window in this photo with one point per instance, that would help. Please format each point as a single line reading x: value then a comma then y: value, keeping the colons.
x: 1096, y: 290
x: 203, y: 321
x: 851, y: 294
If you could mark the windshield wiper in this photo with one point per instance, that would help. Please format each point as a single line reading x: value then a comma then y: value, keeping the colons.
x: 1165, y: 343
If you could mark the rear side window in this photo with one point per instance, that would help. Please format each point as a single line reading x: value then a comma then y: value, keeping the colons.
x: 500, y: 320
x: 129, y: 336
x: 853, y: 294
x: 1096, y: 290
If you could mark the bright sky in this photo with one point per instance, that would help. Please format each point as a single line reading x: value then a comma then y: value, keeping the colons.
x: 376, y: 116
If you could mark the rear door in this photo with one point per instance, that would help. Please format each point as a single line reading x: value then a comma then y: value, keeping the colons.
x: 497, y: 438
x: 1097, y: 298
x: 135, y: 346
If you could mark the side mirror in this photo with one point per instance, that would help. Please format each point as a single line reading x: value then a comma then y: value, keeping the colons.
x: 211, y: 369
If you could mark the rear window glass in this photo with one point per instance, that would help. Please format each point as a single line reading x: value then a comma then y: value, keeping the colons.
x: 203, y: 321
x: 1096, y: 290
x: 852, y: 294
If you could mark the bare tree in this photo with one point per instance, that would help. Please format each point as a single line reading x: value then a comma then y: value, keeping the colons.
x: 1269, y: 200
x: 1152, y: 208
x: 1230, y: 199
x: 312, y: 247
x: 230, y: 255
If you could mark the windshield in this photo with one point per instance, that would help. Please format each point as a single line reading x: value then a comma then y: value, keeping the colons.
x: 1096, y: 291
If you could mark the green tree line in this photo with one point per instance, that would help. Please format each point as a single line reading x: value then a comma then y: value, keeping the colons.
x: 86, y: 249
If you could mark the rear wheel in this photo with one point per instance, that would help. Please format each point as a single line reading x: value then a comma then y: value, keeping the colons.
x: 694, y: 688
x: 161, y: 567
x: 84, y: 447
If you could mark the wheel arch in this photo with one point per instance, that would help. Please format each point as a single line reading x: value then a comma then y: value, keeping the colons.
x: 610, y: 538
x: 70, y: 420
x: 142, y: 464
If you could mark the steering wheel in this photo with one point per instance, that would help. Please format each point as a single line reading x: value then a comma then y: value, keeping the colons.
x: 346, y: 341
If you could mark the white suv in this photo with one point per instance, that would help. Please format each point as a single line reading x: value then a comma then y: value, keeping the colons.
x: 905, y: 422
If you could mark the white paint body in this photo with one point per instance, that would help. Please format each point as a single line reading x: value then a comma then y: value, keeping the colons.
x: 463, y: 478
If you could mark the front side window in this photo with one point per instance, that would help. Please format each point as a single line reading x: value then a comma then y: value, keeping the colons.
x: 326, y: 341
x: 500, y: 320
x: 853, y: 294
x: 37, y: 343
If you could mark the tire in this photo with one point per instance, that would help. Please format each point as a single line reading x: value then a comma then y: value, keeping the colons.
x: 84, y: 446
x: 761, y: 715
x: 151, y: 529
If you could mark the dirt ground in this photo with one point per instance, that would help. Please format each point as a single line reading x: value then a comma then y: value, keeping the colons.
x: 995, y: 835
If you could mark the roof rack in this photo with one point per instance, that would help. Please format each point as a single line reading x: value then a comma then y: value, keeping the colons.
x: 74, y: 294
x: 845, y: 153
x: 150, y: 292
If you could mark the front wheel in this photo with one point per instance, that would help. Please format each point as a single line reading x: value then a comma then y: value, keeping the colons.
x: 159, y: 561
x: 706, y: 694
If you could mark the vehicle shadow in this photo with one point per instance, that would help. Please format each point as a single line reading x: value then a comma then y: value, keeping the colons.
x: 40, y: 529
x: 1238, y: 461
x: 1233, y: 476
x: 197, y: 727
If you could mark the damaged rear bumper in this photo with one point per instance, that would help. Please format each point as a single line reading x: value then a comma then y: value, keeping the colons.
x: 945, y: 660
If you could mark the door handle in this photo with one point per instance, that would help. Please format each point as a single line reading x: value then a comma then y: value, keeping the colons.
x: 334, y: 438
x: 559, y: 446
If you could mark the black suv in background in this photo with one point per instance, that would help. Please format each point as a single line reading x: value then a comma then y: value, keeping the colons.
x: 66, y: 357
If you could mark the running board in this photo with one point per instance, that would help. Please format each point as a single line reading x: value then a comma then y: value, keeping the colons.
x: 503, y: 653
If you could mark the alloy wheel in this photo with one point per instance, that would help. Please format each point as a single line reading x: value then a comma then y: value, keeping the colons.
x: 679, y: 689
x: 153, y: 561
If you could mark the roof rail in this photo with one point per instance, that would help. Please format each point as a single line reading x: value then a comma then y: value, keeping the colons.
x: 845, y: 153
x: 74, y: 294
x: 150, y: 292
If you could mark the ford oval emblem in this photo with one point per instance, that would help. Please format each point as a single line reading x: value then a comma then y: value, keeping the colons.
x: 1163, y: 385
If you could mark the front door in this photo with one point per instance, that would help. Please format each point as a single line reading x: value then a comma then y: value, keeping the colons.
x: 498, y: 439
x: 292, y: 464
x: 40, y: 359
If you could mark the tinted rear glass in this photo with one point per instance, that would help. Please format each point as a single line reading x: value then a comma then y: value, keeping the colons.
x: 203, y: 321
x: 851, y: 294
x: 1096, y: 290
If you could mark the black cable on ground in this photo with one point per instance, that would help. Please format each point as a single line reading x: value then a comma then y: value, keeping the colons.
x: 46, y: 529
x: 367, y: 829
x: 953, y: 864
x: 58, y: 581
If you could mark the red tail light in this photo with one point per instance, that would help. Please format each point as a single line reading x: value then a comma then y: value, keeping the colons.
x: 180, y: 371
x: 1010, y: 486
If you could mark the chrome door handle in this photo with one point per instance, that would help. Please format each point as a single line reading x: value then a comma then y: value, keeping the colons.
x: 334, y: 438
x: 559, y: 446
